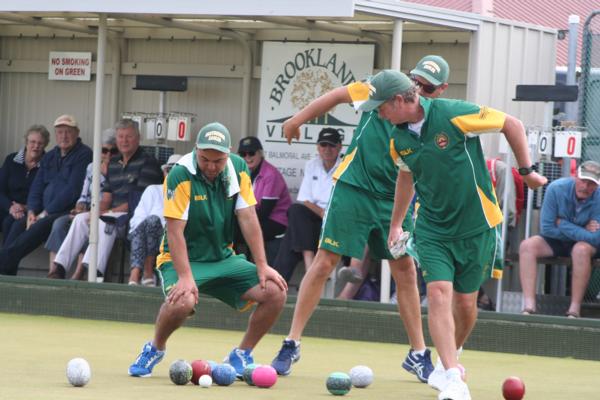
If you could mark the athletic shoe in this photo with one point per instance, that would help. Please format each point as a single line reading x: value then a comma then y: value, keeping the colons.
x: 419, y: 365
x: 289, y: 354
x: 239, y: 359
x: 349, y: 275
x: 148, y: 358
x: 455, y: 390
x: 437, y: 379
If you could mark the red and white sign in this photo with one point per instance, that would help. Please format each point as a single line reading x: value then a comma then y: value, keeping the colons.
x: 70, y: 66
x: 567, y: 144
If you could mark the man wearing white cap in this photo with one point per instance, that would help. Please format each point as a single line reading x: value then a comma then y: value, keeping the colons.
x: 570, y: 227
x: 53, y: 193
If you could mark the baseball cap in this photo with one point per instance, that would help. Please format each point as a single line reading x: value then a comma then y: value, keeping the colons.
x: 67, y: 120
x: 214, y: 136
x: 329, y: 135
x: 589, y: 170
x: 434, y: 69
x: 385, y: 85
x: 250, y: 143
x: 173, y: 158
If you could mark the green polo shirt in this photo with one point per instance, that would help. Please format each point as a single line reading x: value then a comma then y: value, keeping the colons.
x: 208, y: 207
x: 448, y: 167
x: 368, y: 163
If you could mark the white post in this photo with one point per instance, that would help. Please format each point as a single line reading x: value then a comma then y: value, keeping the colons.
x: 95, y: 206
x: 508, y: 182
x: 397, y: 45
x: 384, y: 292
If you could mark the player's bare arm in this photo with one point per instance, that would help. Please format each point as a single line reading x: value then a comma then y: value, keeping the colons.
x: 316, y: 108
x: 178, y: 250
x: 402, y: 198
x: 515, y: 135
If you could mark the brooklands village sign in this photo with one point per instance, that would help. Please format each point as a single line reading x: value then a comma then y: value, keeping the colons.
x: 293, y: 75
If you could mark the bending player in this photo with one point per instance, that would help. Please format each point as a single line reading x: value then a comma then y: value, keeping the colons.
x: 358, y: 214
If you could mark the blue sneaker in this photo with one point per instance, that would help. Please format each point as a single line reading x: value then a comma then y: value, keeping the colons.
x: 239, y: 359
x: 419, y: 365
x: 289, y: 354
x: 148, y: 358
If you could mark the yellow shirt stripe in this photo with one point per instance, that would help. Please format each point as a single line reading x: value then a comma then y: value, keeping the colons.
x: 487, y: 120
x: 177, y: 202
x: 246, y: 197
x: 491, y: 211
x: 344, y: 164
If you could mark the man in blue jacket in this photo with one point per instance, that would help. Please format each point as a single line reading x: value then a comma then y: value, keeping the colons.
x: 53, y: 193
x: 570, y: 227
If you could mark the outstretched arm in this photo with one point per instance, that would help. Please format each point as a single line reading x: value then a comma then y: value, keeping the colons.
x: 319, y: 106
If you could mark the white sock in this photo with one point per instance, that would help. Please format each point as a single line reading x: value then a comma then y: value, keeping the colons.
x: 419, y: 352
x: 296, y: 342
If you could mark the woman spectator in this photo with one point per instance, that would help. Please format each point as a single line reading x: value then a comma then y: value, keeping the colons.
x: 146, y: 228
x: 17, y: 174
x: 271, y: 192
x: 60, y: 227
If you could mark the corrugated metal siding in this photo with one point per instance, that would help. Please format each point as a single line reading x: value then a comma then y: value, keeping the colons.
x: 27, y: 98
x: 485, y: 72
x: 503, y: 56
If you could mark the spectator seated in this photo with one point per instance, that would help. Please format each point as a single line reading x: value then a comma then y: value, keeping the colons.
x: 569, y: 228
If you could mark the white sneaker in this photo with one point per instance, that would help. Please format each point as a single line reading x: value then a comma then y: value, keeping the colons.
x: 455, y: 390
x: 437, y: 379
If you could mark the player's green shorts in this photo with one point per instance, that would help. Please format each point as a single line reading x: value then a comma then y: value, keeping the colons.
x: 465, y: 262
x: 226, y: 280
x: 355, y: 218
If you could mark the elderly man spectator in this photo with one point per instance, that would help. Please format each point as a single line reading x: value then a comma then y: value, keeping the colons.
x: 17, y: 174
x: 306, y: 216
x: 129, y: 174
x: 53, y: 193
x: 60, y: 227
x: 146, y: 229
x: 569, y: 227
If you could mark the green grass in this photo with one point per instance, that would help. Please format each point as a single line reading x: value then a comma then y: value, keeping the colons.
x: 36, y: 349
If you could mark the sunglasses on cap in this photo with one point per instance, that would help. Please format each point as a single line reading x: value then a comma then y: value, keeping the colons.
x: 247, y: 153
x: 112, y: 151
x: 326, y: 144
x: 429, y: 89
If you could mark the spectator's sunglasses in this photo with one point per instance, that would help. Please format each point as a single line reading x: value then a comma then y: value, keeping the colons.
x: 429, y: 89
x: 112, y: 151
x: 247, y: 153
x: 326, y: 144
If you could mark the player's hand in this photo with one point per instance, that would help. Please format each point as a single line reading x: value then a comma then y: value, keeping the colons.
x: 394, y: 235
x: 270, y: 274
x: 535, y: 180
x: 184, y: 287
x: 291, y: 131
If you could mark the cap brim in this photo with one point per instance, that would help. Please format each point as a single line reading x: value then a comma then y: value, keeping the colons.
x: 213, y: 147
x: 370, y: 105
x: 589, y: 178
x: 426, y: 76
x: 328, y: 141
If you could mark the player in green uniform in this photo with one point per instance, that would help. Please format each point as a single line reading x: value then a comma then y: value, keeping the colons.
x: 358, y: 214
x: 210, y: 187
x: 439, y: 152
